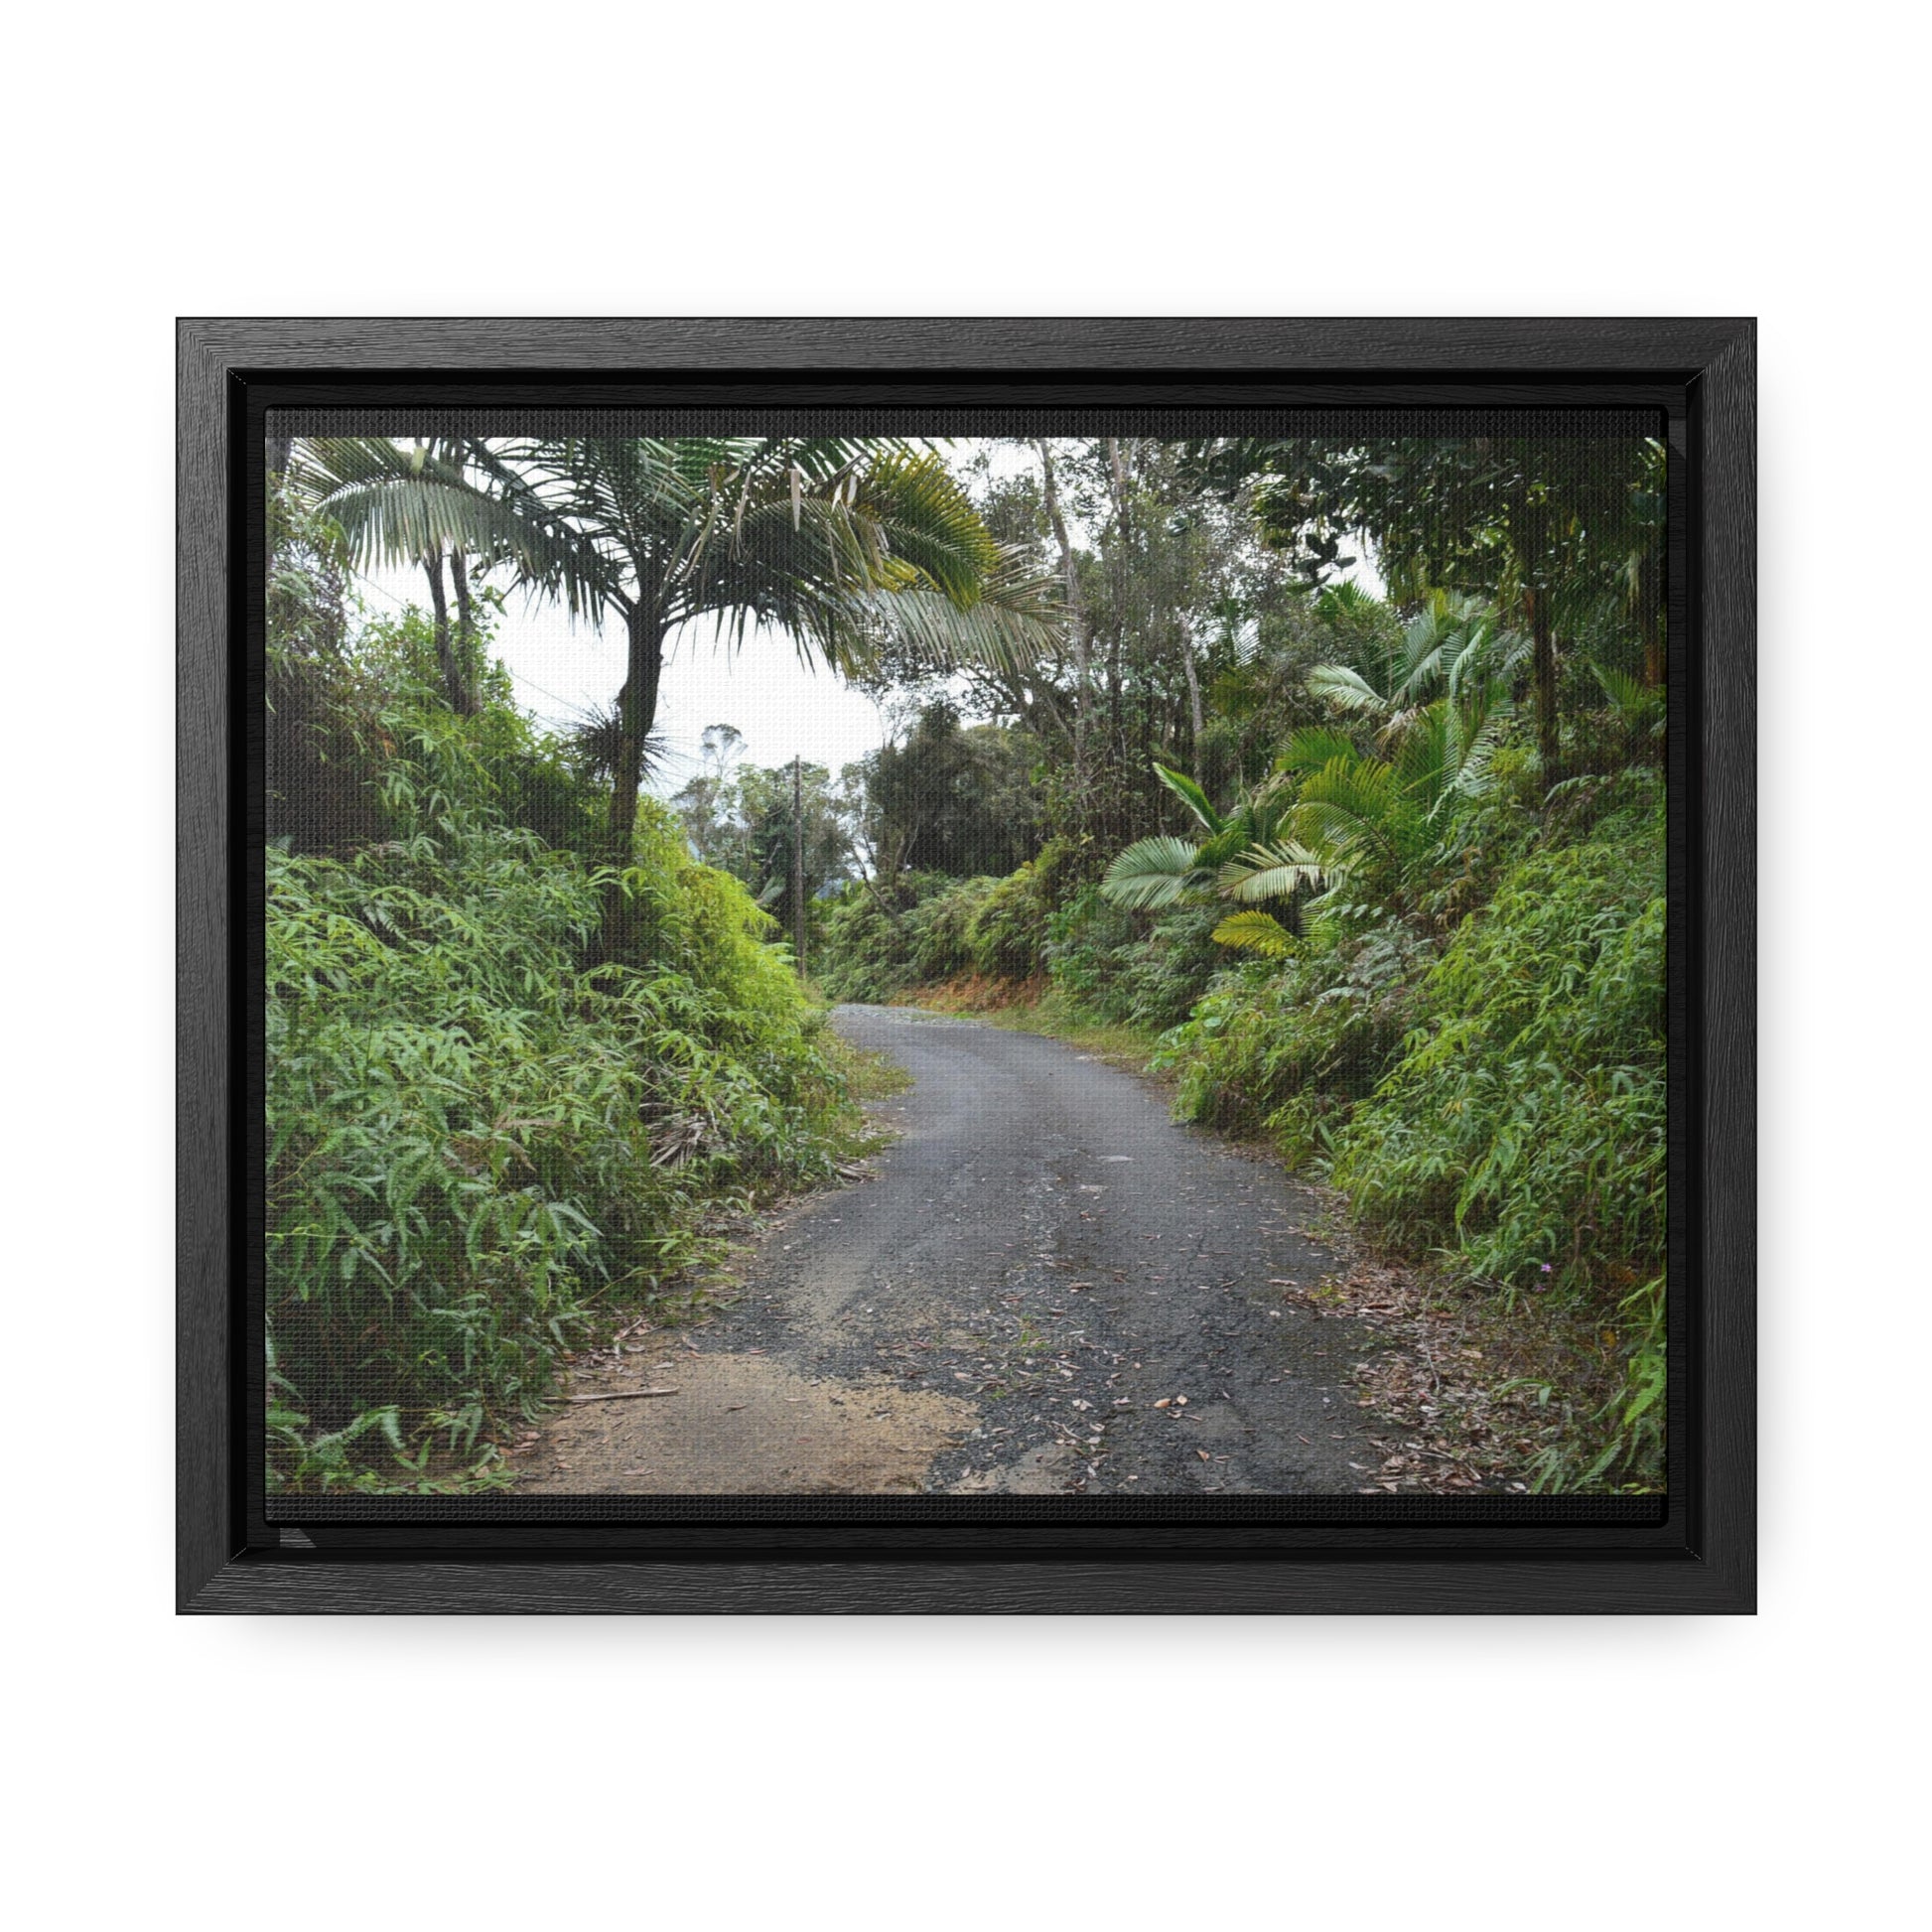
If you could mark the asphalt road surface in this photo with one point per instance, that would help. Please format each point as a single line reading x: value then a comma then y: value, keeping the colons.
x: 1046, y: 1285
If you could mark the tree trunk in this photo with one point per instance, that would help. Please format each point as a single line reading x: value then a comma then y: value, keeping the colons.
x: 1077, y: 617
x: 1117, y: 473
x: 1543, y: 675
x: 1193, y: 690
x: 440, y: 610
x: 464, y: 696
x: 637, y: 712
x: 797, y: 870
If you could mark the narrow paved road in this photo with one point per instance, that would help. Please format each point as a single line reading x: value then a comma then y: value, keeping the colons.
x: 1047, y: 1286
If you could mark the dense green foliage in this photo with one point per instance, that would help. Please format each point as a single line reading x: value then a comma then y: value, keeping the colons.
x: 1386, y: 890
x: 952, y: 798
x: 1377, y: 878
x: 480, y: 1145
x: 928, y: 930
x: 1117, y: 966
x: 1525, y: 1115
x: 1286, y: 1048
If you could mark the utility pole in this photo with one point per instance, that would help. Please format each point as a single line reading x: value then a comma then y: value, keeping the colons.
x: 797, y: 870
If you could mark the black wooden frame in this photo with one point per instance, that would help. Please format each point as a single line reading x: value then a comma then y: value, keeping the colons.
x: 1701, y: 1559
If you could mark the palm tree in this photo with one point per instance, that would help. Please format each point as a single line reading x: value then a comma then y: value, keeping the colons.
x: 423, y: 505
x: 845, y: 543
x: 1170, y: 871
x: 1456, y: 645
x: 840, y: 541
x: 1331, y: 812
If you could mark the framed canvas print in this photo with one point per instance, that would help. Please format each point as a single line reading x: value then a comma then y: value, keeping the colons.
x: 1001, y: 966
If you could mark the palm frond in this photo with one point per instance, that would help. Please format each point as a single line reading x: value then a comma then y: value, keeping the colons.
x: 1421, y: 761
x: 1271, y: 872
x: 1191, y: 796
x: 1344, y: 689
x: 1639, y: 707
x: 991, y: 632
x: 1364, y: 787
x: 1490, y: 655
x: 1312, y: 747
x: 1476, y: 756
x: 1256, y: 932
x: 1155, y: 871
x: 397, y: 504
x: 926, y: 525
x: 1340, y: 601
x: 1343, y: 839
x: 1429, y: 642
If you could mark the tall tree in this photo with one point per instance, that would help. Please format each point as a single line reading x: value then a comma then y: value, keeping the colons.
x: 952, y: 798
x: 834, y: 541
x: 839, y: 543
x: 424, y: 504
x: 1548, y: 525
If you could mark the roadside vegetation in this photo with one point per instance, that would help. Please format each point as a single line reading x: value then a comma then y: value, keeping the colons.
x: 521, y: 1057
x: 1326, y: 781
x: 1374, y: 879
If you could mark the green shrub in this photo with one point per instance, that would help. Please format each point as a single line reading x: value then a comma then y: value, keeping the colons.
x: 942, y: 928
x: 867, y: 950
x: 1162, y: 977
x: 880, y: 942
x: 1286, y: 1048
x: 1118, y: 965
x: 475, y: 1146
x: 1008, y: 927
x: 1082, y: 937
x: 1524, y: 1125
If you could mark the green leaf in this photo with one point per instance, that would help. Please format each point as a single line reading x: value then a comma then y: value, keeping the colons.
x: 1154, y: 872
x: 1190, y: 794
x: 1270, y: 871
x: 1257, y: 932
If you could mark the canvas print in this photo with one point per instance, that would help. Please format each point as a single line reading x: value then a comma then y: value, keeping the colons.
x: 977, y: 965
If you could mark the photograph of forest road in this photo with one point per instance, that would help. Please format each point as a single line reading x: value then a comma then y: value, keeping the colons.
x: 882, y: 965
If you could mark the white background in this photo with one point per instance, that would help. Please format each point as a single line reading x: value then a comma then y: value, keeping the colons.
x: 375, y: 159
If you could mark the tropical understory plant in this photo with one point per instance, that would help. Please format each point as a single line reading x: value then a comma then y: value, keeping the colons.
x: 1334, y: 814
